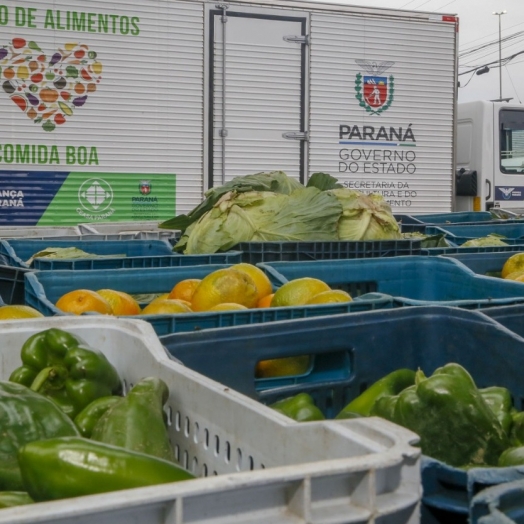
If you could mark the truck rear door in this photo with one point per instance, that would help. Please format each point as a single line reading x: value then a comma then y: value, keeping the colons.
x: 256, y: 90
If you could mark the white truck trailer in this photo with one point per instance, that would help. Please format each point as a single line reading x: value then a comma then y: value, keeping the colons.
x: 127, y: 110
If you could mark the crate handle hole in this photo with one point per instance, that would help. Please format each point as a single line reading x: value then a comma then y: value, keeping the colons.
x: 196, y: 433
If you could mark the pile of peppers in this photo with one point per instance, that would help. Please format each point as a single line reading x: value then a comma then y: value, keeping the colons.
x: 458, y: 423
x: 67, y: 431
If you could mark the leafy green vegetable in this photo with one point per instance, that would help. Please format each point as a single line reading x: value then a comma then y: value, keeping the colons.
x: 490, y: 240
x: 275, y: 207
x: 275, y: 181
x: 67, y: 253
x: 305, y: 214
x: 427, y: 241
x: 323, y: 181
x: 365, y: 217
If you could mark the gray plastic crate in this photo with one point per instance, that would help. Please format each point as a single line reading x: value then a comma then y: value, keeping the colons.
x: 254, y: 464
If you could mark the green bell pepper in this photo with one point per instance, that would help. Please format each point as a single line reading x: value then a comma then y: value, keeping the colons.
x: 299, y: 407
x: 452, y: 419
x: 136, y: 422
x: 499, y: 401
x: 512, y: 457
x: 60, y: 366
x: 9, y: 499
x: 67, y: 467
x: 86, y: 420
x: 517, y: 429
x: 391, y: 384
x: 25, y: 416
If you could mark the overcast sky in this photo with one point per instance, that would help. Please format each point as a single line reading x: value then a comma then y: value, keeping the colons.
x: 478, y: 27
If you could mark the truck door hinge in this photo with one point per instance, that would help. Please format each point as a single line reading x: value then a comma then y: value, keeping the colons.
x: 296, y: 135
x: 222, y: 133
x: 224, y: 8
x: 297, y: 39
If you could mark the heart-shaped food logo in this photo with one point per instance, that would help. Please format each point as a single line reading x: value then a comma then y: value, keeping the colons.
x: 48, y: 91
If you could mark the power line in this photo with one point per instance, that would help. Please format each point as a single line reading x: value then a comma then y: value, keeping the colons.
x: 513, y: 85
x: 495, y: 33
x: 410, y: 2
x: 442, y: 7
x: 470, y: 78
x: 473, y: 50
x: 423, y: 3
x: 496, y: 62
x: 470, y: 64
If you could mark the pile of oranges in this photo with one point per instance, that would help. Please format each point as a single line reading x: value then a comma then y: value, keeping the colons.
x: 238, y: 287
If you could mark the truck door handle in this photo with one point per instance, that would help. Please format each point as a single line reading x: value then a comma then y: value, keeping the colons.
x: 489, y: 189
x: 296, y: 135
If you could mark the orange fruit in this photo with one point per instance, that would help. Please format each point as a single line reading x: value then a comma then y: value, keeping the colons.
x: 282, y: 367
x: 332, y: 296
x: 298, y: 292
x: 225, y: 285
x: 512, y: 264
x: 227, y: 306
x: 265, y: 301
x: 261, y: 280
x: 163, y: 296
x: 82, y: 300
x: 516, y: 276
x: 186, y: 302
x: 169, y: 306
x: 184, y: 289
x: 17, y: 312
x: 121, y: 302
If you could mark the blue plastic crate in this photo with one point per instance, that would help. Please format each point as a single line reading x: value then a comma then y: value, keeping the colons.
x: 457, y: 217
x: 410, y: 223
x: 137, y: 254
x: 351, y: 352
x: 412, y: 281
x: 485, y: 263
x: 434, y: 251
x: 514, y: 230
x: 18, y: 251
x: 44, y: 288
x: 255, y: 252
x: 12, y: 284
x: 502, y: 504
x: 511, y: 317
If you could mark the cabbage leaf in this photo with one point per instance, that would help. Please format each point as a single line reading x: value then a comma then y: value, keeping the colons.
x: 305, y: 214
x: 365, y: 217
x: 274, y: 181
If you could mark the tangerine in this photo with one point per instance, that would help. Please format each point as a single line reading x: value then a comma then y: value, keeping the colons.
x: 265, y: 301
x: 184, y: 289
x: 227, y: 306
x: 512, y: 264
x: 298, y: 292
x: 225, y: 285
x: 82, y: 300
x: 261, y: 280
x: 121, y: 302
x: 333, y: 296
x: 166, y: 307
x: 17, y: 312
